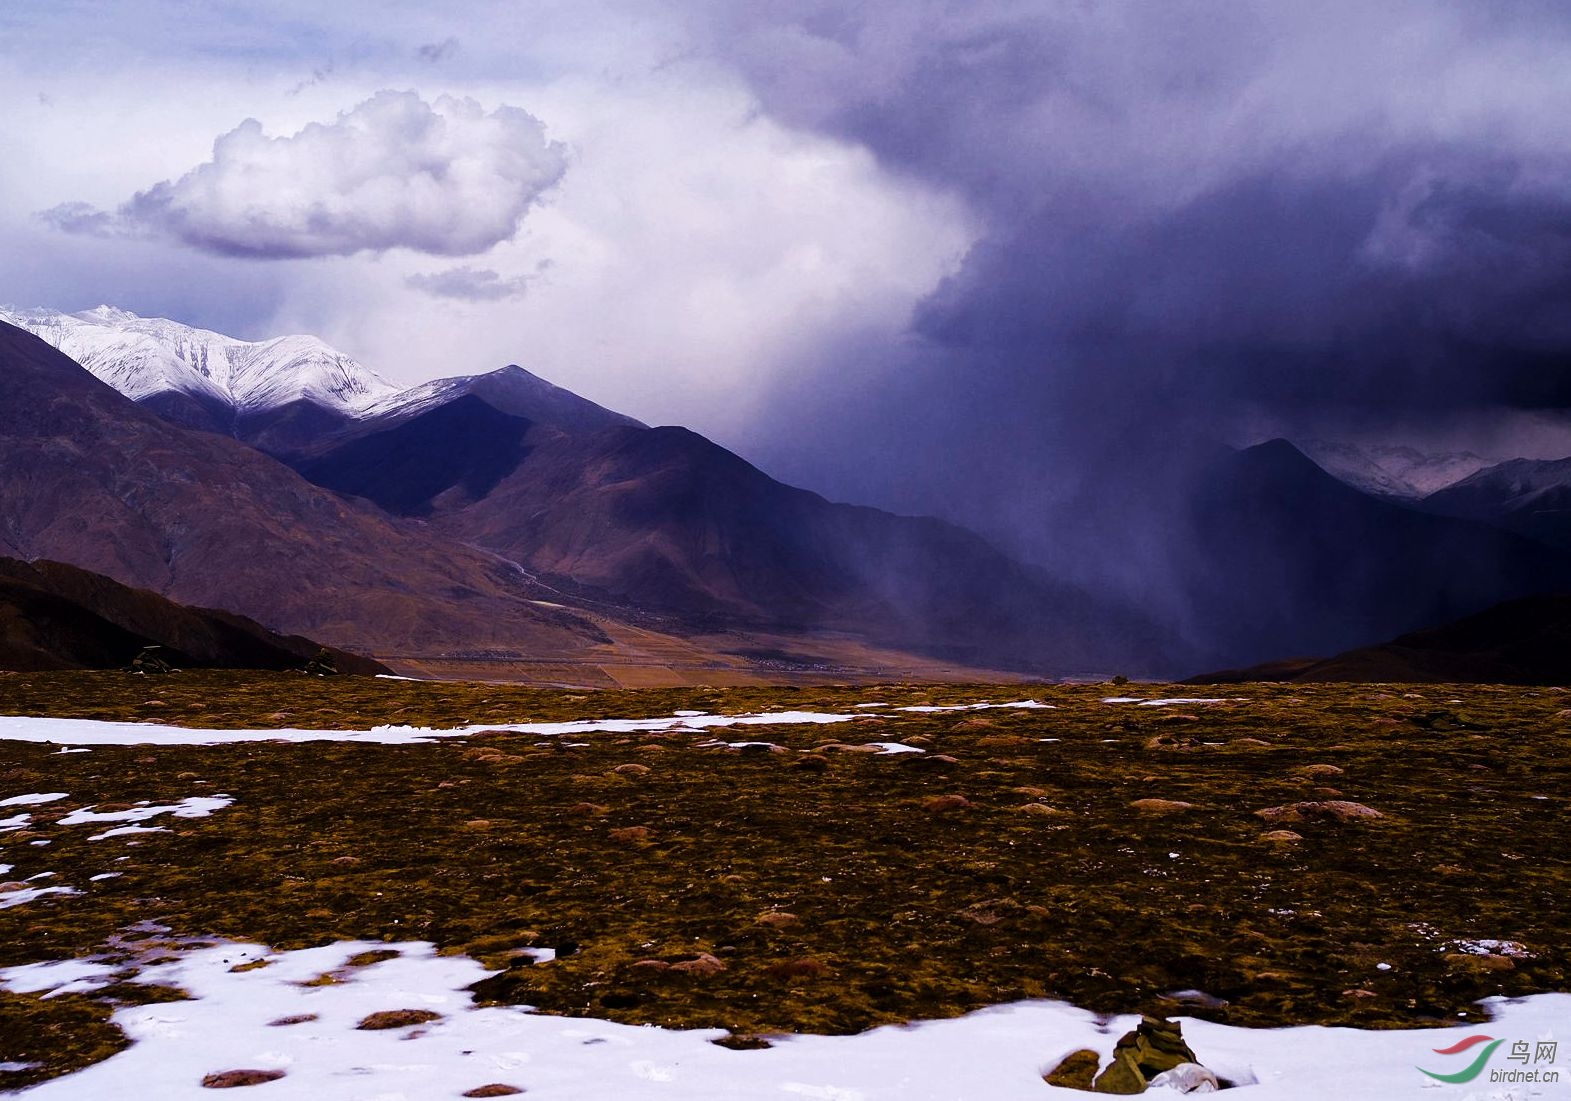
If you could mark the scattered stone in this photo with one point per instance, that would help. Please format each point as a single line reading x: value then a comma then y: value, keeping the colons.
x: 396, y: 1018
x: 588, y: 810
x: 1042, y: 810
x: 943, y: 804
x: 1358, y: 994
x: 778, y: 919
x: 1339, y: 810
x: 1320, y: 770
x: 479, y: 824
x: 1250, y: 743
x: 629, y: 835
x: 632, y: 769
x: 1287, y: 836
x: 345, y: 861
x: 1032, y: 793
x: 229, y: 1079
x: 937, y: 759
x: 1076, y: 1071
x: 1161, y: 806
x: 493, y: 1089
x: 650, y: 965
x: 705, y: 964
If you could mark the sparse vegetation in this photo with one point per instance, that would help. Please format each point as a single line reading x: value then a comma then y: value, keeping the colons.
x: 716, y: 887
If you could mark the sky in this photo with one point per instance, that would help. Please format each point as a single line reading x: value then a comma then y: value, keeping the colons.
x: 1014, y: 262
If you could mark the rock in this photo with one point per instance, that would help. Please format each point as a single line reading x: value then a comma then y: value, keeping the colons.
x: 493, y: 1089
x: 778, y: 919
x: 1320, y: 770
x: 396, y: 1018
x: 1031, y: 793
x: 631, y: 769
x: 811, y: 762
x: 653, y: 966
x: 1042, y: 810
x: 588, y: 810
x: 292, y: 1019
x: 1287, y: 836
x: 1156, y: 1045
x: 943, y: 804
x: 1160, y: 806
x: 229, y: 1079
x: 1187, y: 1078
x: 1338, y: 810
x: 705, y: 964
x: 1076, y: 1071
x: 629, y: 835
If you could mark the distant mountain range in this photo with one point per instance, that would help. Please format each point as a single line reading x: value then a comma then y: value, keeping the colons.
x: 1283, y: 560
x: 1396, y: 472
x: 1524, y: 641
x: 497, y: 516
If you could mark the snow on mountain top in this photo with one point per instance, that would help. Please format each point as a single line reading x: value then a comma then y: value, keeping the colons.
x: 1392, y: 471
x: 144, y: 356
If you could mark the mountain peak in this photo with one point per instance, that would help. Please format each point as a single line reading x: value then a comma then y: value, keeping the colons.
x: 150, y: 357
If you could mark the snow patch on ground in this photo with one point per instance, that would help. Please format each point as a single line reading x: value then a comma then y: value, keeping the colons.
x: 1174, y: 700
x: 98, y: 732
x: 998, y: 1054
x: 9, y: 899
x: 32, y: 800
x: 197, y: 806
x: 1023, y: 705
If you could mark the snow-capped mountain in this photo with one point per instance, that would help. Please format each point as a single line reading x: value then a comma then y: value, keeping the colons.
x: 144, y: 357
x: 510, y: 389
x: 1396, y: 472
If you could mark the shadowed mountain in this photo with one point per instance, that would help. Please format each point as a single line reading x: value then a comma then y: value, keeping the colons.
x: 54, y: 616
x: 94, y: 479
x: 465, y: 446
x: 1287, y: 559
x: 1519, y: 642
x: 666, y: 520
x: 1531, y: 497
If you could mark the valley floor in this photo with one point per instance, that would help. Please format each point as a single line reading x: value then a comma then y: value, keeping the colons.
x: 763, y: 861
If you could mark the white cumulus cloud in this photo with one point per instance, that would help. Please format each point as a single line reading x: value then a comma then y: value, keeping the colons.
x: 446, y: 178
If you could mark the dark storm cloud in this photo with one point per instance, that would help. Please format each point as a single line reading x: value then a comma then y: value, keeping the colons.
x: 1203, y: 224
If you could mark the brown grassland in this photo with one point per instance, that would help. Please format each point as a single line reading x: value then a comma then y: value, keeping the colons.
x: 1106, y: 854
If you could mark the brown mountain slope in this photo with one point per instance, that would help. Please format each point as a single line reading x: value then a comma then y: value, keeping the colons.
x: 54, y: 616
x: 93, y: 479
x: 666, y: 520
x: 1519, y: 642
